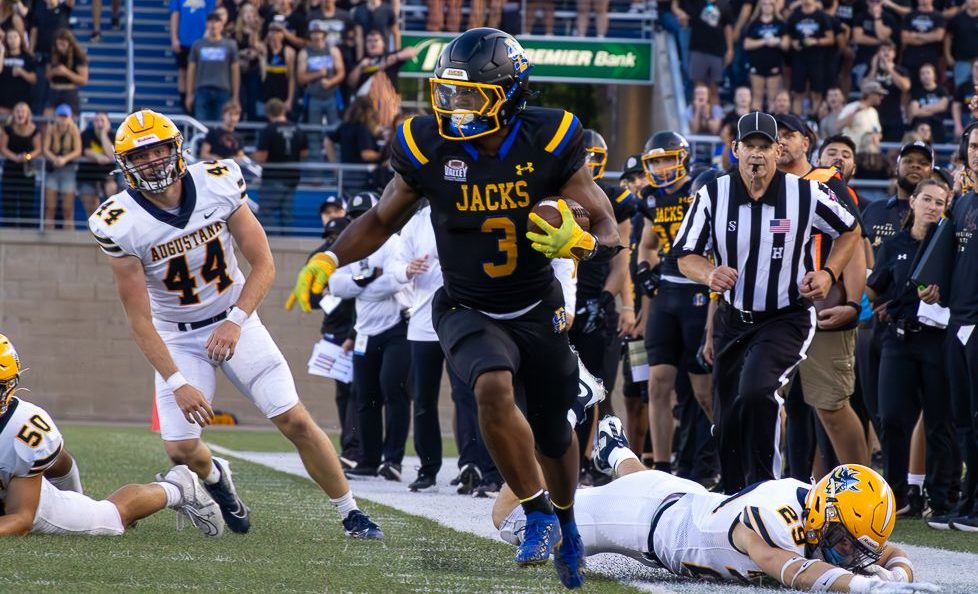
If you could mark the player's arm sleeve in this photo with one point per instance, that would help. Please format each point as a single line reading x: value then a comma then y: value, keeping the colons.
x: 566, y: 144
x: 624, y: 203
x: 696, y: 232
x: 882, y: 275
x: 831, y: 217
x: 565, y: 271
x: 104, y: 238
x: 407, y: 156
x: 38, y: 443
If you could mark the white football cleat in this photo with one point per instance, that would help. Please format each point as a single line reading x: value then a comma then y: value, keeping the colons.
x: 198, y: 506
x: 590, y: 391
x: 609, y: 436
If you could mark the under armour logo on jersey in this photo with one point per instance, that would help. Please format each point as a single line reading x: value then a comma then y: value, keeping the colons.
x: 777, y: 253
x: 521, y: 169
x: 732, y: 226
x: 901, y: 256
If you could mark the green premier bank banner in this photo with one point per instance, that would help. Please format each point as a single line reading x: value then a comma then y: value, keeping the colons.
x: 608, y: 61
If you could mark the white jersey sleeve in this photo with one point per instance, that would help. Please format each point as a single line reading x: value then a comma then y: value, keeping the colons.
x: 780, y: 526
x: 29, y: 442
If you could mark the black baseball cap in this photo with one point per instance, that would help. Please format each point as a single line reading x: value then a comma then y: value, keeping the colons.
x: 361, y: 203
x: 334, y: 200
x: 757, y: 122
x: 335, y: 227
x: 918, y: 145
x: 633, y: 165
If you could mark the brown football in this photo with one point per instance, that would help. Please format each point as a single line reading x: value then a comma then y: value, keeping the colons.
x: 546, y: 209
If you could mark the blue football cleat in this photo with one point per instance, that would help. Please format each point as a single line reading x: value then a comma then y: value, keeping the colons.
x: 570, y: 557
x: 235, y: 512
x: 358, y: 525
x: 541, y: 535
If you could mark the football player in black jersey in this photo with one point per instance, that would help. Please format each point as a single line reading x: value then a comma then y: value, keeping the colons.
x: 677, y: 315
x: 483, y: 160
x: 597, y: 328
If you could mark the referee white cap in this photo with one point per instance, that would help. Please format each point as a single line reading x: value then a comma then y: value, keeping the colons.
x: 757, y: 122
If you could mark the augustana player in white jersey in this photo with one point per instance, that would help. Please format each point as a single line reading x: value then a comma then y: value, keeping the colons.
x: 29, y: 504
x: 191, y: 310
x: 830, y: 537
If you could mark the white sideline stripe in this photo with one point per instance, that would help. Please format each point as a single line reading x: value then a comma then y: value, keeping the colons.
x: 956, y: 572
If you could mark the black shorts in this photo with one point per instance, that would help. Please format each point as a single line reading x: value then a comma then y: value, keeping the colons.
x: 766, y: 70
x: 807, y: 75
x: 533, y: 347
x: 674, y: 330
x: 182, y: 57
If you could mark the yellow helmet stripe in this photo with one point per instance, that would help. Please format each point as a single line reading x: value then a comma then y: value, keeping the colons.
x: 411, y: 144
x: 565, y: 124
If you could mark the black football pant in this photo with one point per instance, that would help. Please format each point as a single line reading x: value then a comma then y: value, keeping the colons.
x: 961, y: 364
x: 696, y: 450
x: 468, y: 436
x: 380, y: 375
x: 427, y: 361
x: 912, y: 377
x: 751, y: 363
x: 346, y: 411
x: 868, y: 348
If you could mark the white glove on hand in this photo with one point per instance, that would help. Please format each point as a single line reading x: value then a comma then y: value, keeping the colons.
x: 897, y: 574
x: 874, y: 585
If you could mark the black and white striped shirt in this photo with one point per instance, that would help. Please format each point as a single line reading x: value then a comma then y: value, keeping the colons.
x: 768, y: 241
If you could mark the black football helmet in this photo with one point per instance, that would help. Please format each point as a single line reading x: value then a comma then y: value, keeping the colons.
x: 596, y: 153
x: 480, y: 84
x: 666, y: 144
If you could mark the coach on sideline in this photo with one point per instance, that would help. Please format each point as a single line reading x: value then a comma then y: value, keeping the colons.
x: 757, y: 223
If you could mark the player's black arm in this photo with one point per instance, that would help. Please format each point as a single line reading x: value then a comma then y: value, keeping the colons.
x: 23, y: 496
x: 582, y: 189
x: 617, y: 281
x: 842, y: 248
x: 368, y: 232
x: 253, y: 243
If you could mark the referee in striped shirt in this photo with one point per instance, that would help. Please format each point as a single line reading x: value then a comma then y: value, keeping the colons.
x: 757, y: 225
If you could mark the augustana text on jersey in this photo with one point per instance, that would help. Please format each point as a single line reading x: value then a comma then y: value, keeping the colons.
x: 186, y: 242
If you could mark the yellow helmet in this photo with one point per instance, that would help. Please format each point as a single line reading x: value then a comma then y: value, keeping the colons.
x: 142, y: 130
x: 849, y: 516
x: 595, y: 153
x: 9, y: 372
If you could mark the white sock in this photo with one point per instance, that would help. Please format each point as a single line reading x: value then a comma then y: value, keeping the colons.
x: 345, y: 504
x: 619, y: 455
x: 70, y: 481
x: 173, y: 496
x: 213, y: 476
x: 915, y: 479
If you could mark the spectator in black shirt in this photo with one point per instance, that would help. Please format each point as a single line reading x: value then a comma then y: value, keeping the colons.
x: 960, y: 109
x: 358, y: 137
x: 12, y: 15
x: 67, y: 71
x: 292, y: 19
x: 47, y: 18
x: 376, y: 15
x: 930, y: 103
x: 280, y: 143
x: 922, y: 38
x: 764, y: 42
x: 871, y: 28
x: 247, y: 34
x: 896, y: 81
x: 961, y: 42
x: 335, y: 22
x: 710, y: 42
x: 812, y: 39
x: 223, y: 142
x: 841, y: 57
x: 95, y: 179
x: 17, y: 75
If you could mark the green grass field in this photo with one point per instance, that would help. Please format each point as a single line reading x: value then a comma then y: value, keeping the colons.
x: 296, y: 544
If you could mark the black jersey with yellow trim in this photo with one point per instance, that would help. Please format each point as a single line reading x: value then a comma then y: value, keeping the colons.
x: 591, y: 276
x: 480, y: 203
x: 670, y: 210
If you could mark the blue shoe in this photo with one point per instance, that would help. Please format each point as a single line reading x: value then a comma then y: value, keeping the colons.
x: 358, y: 525
x: 609, y: 436
x: 235, y: 512
x: 569, y: 558
x: 539, y: 539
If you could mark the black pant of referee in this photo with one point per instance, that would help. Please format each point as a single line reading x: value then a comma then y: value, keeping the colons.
x: 755, y: 355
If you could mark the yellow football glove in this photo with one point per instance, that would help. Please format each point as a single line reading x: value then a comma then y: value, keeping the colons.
x: 312, y: 279
x: 568, y: 241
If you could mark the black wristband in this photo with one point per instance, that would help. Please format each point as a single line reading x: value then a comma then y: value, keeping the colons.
x: 603, y: 253
x: 831, y: 274
x: 855, y: 306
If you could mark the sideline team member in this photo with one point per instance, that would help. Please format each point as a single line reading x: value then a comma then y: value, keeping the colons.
x: 483, y: 160
x: 763, y: 220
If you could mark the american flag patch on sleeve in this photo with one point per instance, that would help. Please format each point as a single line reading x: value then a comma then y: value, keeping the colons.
x: 779, y: 225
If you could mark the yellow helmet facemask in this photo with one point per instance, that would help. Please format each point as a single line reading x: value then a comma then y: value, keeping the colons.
x: 596, y: 159
x: 9, y: 372
x: 663, y: 178
x: 466, y: 110
x: 145, y: 131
